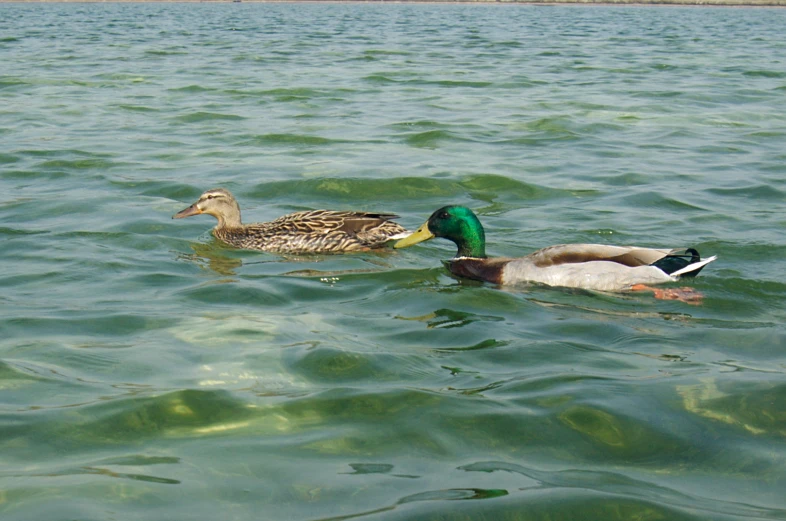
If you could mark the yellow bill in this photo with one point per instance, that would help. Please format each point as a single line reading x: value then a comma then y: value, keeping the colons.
x: 422, y: 234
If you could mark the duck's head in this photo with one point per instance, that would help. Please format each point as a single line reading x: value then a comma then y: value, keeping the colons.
x: 455, y: 223
x: 217, y: 202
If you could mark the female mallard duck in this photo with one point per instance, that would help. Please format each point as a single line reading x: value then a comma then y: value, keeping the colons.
x: 317, y: 231
x: 589, y: 266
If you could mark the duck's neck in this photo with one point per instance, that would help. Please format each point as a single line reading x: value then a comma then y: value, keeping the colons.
x: 229, y: 219
x: 471, y: 241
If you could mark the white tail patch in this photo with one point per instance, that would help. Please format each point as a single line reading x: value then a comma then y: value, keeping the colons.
x: 694, y: 266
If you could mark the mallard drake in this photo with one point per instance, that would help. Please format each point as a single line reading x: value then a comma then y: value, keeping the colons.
x: 589, y: 266
x: 316, y: 231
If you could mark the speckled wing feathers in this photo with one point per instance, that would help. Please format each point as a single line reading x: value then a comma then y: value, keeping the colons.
x: 316, y: 231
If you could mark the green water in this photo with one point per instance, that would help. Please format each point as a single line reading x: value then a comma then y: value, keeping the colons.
x: 147, y: 372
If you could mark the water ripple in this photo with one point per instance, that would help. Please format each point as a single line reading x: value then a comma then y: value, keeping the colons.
x: 138, y: 352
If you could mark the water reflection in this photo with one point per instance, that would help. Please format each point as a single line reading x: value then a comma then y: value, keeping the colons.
x: 210, y: 257
x: 448, y: 318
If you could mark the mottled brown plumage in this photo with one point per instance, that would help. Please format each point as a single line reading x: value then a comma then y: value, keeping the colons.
x: 315, y: 231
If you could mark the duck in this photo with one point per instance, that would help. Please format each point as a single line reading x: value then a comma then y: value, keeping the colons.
x: 314, y: 231
x: 596, y: 267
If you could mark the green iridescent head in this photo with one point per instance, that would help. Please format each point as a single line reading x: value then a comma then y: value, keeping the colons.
x: 455, y: 223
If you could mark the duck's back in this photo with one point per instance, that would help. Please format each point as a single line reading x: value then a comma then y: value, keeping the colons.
x: 590, y: 266
x: 315, y: 231
x: 631, y: 256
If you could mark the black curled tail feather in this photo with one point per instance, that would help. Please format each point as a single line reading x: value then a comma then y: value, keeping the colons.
x: 676, y: 261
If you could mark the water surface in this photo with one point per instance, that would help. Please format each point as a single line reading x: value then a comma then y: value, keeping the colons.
x: 147, y: 372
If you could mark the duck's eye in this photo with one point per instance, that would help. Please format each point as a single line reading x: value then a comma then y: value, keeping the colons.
x: 211, y: 197
x: 443, y: 215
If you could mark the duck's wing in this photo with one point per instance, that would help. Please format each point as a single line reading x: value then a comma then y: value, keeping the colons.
x: 631, y: 256
x: 323, y: 221
x: 371, y: 226
x: 323, y: 231
x: 371, y: 229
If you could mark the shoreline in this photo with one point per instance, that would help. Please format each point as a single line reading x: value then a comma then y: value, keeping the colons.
x: 677, y: 3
